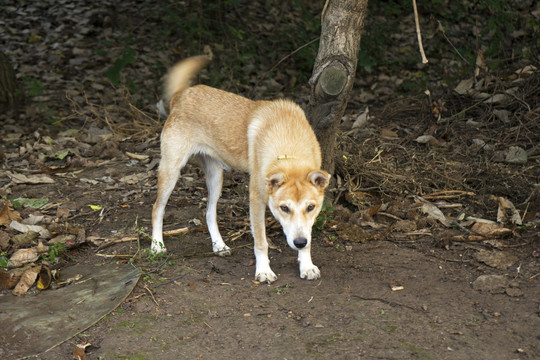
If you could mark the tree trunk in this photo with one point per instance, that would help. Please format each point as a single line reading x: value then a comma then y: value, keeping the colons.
x: 334, y: 71
x: 9, y: 94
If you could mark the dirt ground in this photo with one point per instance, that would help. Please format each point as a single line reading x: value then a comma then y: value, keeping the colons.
x: 204, y: 306
x: 398, y: 282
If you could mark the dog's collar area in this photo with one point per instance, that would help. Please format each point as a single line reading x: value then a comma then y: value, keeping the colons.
x: 286, y: 157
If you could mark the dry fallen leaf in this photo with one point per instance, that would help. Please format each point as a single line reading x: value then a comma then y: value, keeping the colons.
x: 44, y: 233
x: 23, y: 256
x: 464, y: 86
x: 427, y: 139
x: 45, y: 278
x: 507, y: 212
x: 32, y: 179
x: 432, y: 211
x: 389, y: 134
x: 7, y: 214
x: 4, y: 240
x: 8, y: 280
x: 27, y: 280
x: 485, y: 231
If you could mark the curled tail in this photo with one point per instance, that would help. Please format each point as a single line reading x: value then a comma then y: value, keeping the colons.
x: 180, y: 75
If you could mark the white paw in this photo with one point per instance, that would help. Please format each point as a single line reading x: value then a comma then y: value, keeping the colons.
x: 222, y: 250
x: 311, y: 272
x: 158, y: 248
x: 268, y: 276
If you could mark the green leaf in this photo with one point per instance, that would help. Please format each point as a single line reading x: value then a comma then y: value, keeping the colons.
x: 33, y: 203
x: 61, y: 155
x: 3, y: 261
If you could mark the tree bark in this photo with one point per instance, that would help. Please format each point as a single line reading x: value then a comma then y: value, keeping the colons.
x: 334, y: 71
x: 8, y: 84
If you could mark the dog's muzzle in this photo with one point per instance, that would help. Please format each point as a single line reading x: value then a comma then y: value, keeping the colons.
x: 300, y: 242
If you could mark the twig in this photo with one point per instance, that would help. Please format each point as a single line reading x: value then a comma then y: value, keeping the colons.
x: 291, y: 54
x: 448, y: 194
x: 376, y: 158
x: 115, y: 255
x: 183, y: 230
x: 441, y: 29
x: 389, y: 215
x: 151, y: 294
x: 419, y: 34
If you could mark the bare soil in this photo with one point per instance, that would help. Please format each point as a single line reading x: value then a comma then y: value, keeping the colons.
x: 396, y: 283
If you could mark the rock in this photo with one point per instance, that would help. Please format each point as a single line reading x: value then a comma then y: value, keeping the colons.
x: 516, y: 155
x: 514, y: 292
x: 495, y: 284
x: 496, y: 259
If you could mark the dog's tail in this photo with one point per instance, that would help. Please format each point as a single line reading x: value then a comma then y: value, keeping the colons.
x: 179, y: 76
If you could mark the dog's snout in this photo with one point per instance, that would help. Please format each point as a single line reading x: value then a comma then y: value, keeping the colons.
x: 300, y: 242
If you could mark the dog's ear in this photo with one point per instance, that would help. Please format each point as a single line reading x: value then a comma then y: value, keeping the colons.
x: 319, y: 178
x: 274, y: 181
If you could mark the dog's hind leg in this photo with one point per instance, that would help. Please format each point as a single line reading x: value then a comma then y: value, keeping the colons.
x: 172, y: 161
x: 214, y: 182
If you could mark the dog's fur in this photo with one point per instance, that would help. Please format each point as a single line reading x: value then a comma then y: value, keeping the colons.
x: 271, y: 140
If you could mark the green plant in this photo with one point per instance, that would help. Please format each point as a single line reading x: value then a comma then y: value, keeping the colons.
x: 282, y: 290
x: 147, y: 252
x: 53, y: 252
x: 52, y: 116
x: 33, y: 86
x: 326, y: 214
x: 3, y: 260
x: 128, y: 56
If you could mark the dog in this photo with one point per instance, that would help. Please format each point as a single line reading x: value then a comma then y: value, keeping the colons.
x: 270, y: 140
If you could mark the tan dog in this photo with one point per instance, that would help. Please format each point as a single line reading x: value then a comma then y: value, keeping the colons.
x: 271, y: 140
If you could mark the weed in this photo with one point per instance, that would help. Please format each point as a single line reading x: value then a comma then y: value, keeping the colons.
x: 147, y: 253
x: 282, y: 290
x: 3, y: 260
x: 127, y: 324
x: 149, y: 277
x: 33, y: 86
x: 326, y: 214
x: 128, y: 56
x: 53, y: 252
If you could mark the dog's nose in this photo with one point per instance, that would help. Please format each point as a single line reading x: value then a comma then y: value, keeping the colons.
x: 300, y: 242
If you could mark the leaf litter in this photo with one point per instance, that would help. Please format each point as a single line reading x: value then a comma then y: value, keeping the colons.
x: 443, y: 169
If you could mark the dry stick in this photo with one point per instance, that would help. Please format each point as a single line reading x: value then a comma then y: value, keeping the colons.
x: 291, y: 54
x: 151, y: 294
x: 183, y: 230
x: 441, y: 29
x: 419, y: 34
x: 282, y: 60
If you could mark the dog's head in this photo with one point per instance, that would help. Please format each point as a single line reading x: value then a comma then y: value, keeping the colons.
x: 295, y: 199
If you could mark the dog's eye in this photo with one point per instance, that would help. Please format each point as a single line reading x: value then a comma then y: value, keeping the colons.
x: 310, y: 207
x: 284, y: 208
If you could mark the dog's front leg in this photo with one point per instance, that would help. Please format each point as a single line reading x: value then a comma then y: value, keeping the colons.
x: 307, y: 269
x: 257, y: 207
